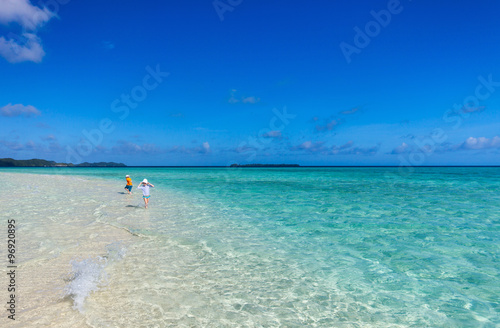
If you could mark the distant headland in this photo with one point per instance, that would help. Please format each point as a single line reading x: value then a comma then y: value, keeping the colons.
x: 264, y: 165
x: 10, y: 162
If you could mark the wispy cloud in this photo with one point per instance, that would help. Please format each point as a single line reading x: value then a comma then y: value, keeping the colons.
x: 350, y: 149
x: 333, y: 121
x: 108, y: 45
x: 204, y: 129
x: 349, y: 111
x: 49, y: 137
x: 408, y: 136
x: 26, y: 46
x: 310, y: 146
x: 346, y: 149
x: 51, y: 147
x: 233, y: 99
x: 127, y: 147
x: 244, y: 149
x: 348, y: 144
x: 19, y: 110
x: 12, y: 145
x: 203, y: 149
x: 367, y: 151
x: 472, y: 109
x: 43, y: 125
x: 328, y: 126
x: 273, y: 134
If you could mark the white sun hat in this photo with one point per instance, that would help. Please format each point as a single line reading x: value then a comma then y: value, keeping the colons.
x: 145, y: 180
x: 127, y: 176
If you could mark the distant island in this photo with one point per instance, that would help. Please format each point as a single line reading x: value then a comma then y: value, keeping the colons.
x: 10, y: 162
x: 264, y: 165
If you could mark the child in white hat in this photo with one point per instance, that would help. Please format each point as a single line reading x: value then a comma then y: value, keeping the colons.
x: 144, y: 186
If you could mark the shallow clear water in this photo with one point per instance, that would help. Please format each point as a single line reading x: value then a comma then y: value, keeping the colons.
x: 291, y: 247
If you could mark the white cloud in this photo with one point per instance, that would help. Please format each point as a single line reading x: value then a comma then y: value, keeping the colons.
x: 245, y: 100
x: 27, y: 46
x: 24, y: 13
x: 403, y: 148
x: 306, y: 145
x: 206, y: 146
x: 471, y: 143
x: 15, y: 52
x: 481, y: 143
x: 250, y: 100
x: 18, y: 110
x: 272, y: 134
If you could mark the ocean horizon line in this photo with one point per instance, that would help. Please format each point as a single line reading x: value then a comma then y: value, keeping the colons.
x: 246, y: 167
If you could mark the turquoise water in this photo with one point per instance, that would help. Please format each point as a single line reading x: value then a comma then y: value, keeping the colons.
x: 295, y: 247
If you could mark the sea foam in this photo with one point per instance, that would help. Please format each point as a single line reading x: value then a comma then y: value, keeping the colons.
x: 88, y: 275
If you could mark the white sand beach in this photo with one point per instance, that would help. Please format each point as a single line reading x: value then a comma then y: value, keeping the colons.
x: 61, y: 247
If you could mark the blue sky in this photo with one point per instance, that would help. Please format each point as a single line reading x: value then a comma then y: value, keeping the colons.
x: 237, y: 81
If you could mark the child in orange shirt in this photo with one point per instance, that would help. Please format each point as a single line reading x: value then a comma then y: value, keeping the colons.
x: 129, y: 184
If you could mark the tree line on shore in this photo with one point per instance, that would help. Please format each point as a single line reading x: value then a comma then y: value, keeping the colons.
x: 35, y: 162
